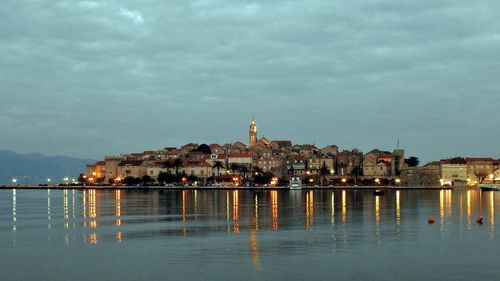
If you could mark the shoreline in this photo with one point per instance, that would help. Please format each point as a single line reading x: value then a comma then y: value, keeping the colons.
x: 35, y: 187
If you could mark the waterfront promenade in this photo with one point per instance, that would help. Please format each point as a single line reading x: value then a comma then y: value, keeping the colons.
x: 124, y: 187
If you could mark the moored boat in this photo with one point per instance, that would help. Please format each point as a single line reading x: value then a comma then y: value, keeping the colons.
x: 295, y: 183
x: 490, y: 187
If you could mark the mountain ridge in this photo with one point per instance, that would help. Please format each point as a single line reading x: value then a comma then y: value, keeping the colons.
x: 37, y: 168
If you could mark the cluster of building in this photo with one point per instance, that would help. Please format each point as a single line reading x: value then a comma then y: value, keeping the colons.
x: 282, y: 159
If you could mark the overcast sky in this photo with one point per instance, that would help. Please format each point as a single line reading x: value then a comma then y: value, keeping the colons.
x: 92, y: 78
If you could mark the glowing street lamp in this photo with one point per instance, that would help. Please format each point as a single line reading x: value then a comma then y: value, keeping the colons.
x: 344, y: 180
x: 377, y: 181
x: 398, y: 181
x: 49, y: 180
x: 14, y: 180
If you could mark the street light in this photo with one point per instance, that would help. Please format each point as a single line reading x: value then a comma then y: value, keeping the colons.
x: 14, y: 180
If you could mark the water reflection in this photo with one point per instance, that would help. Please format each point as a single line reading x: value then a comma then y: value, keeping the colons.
x: 398, y: 207
x: 236, y: 211
x: 309, y: 209
x: 344, y: 207
x: 274, y: 207
x: 120, y: 215
x: 49, y: 218
x: 332, y: 208
x: 492, y: 215
x: 253, y: 244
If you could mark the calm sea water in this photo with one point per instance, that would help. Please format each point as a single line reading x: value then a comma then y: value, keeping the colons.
x: 248, y: 235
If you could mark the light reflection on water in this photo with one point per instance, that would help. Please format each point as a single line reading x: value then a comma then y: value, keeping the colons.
x: 277, y: 225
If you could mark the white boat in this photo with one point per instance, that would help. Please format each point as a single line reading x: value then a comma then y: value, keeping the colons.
x: 490, y: 187
x: 295, y: 183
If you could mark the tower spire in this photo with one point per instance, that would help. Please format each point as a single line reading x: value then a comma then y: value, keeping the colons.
x: 252, y: 132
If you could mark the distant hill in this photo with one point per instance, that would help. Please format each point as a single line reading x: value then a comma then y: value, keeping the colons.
x: 37, y: 168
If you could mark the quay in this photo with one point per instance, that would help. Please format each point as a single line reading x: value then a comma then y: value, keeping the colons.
x: 123, y: 187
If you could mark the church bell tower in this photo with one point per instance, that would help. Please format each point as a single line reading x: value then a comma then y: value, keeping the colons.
x: 252, y: 133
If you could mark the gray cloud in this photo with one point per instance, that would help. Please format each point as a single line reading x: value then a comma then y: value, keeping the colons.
x: 90, y: 78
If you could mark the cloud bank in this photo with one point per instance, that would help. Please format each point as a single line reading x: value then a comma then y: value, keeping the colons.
x: 91, y: 78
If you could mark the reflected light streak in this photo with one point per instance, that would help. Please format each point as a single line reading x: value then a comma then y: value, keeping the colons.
x: 73, y: 203
x: 236, y: 212
x: 469, y: 226
x: 65, y: 209
x: 256, y: 212
x: 183, y: 206
x: 92, y: 213
x: 309, y: 209
x: 377, y: 217
x: 119, y: 236
x: 48, y: 209
x: 448, y: 203
x: 441, y: 206
x: 195, y: 202
x: 253, y: 244
x: 118, y: 208
x: 227, y: 210
x: 84, y: 205
x: 492, y: 214
x: 398, y: 208
x: 344, y: 207
x: 92, y: 238
x: 274, y: 208
x: 14, y: 211
x: 332, y: 206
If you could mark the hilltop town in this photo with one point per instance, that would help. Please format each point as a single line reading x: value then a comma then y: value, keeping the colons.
x: 274, y: 162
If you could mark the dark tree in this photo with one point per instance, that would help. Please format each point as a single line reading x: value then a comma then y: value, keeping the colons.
x: 204, y: 148
x: 412, y: 161
x: 147, y: 180
x: 244, y: 170
x: 356, y: 172
x: 169, y: 164
x: 177, y: 164
x: 131, y: 180
x: 234, y: 167
x: 481, y: 176
x: 263, y: 178
x: 218, y: 165
x: 167, y: 178
x: 324, y: 171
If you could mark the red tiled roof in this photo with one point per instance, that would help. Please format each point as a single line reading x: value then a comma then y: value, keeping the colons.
x: 454, y: 161
x: 214, y: 145
x: 298, y: 157
x: 100, y: 163
x: 149, y: 152
x: 479, y: 159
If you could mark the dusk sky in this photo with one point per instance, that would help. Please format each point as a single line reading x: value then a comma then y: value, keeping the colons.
x: 93, y: 78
